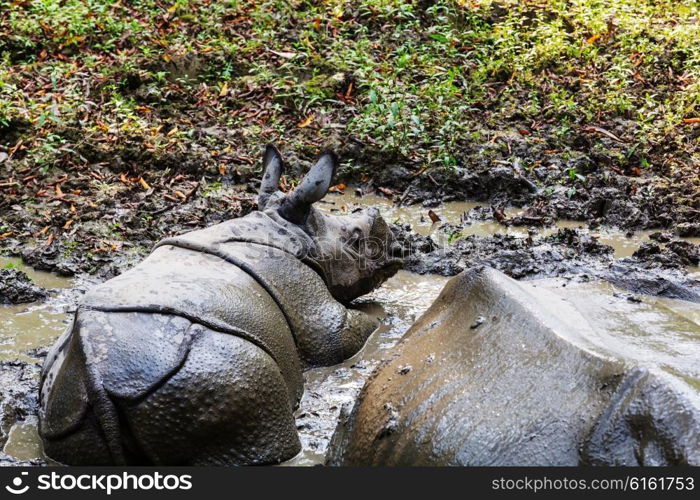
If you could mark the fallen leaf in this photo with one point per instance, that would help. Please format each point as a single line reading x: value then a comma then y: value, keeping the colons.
x: 306, y: 121
x: 691, y: 120
x: 592, y: 128
x: 593, y: 39
x: 122, y: 177
x: 144, y: 184
x: 385, y: 191
x: 5, y: 235
x: 49, y: 240
x: 68, y: 224
x: 180, y: 194
x: 433, y: 216
x: 337, y: 188
x: 224, y: 90
x: 498, y: 213
x: 284, y: 55
x: 222, y: 169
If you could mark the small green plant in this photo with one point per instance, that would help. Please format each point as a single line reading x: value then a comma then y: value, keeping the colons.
x: 574, y: 176
x: 454, y: 236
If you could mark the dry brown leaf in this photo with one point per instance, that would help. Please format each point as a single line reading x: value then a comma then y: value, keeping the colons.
x: 144, y: 184
x: 306, y: 121
x: 433, y: 216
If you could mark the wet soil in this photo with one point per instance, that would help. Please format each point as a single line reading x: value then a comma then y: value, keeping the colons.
x: 17, y: 288
x: 439, y: 240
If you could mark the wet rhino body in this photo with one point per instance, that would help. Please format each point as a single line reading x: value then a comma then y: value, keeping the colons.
x: 498, y: 372
x: 195, y: 356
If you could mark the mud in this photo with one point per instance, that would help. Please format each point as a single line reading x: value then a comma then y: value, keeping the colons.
x: 512, y: 170
x: 467, y: 233
x: 17, y: 288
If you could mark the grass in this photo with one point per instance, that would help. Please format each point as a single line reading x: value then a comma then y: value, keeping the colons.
x: 143, y: 84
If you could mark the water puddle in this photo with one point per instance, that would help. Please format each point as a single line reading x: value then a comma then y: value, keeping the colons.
x: 452, y: 213
x: 23, y: 442
x: 24, y: 327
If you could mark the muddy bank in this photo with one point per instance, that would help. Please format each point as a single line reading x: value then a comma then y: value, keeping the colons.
x: 655, y: 268
x: 94, y: 221
x: 574, y: 184
x: 97, y: 219
x: 17, y: 288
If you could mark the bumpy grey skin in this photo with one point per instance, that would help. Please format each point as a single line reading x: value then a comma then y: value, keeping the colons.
x: 195, y: 356
x: 496, y: 374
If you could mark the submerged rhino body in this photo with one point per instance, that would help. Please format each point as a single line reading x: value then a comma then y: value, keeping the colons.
x: 195, y: 356
x: 498, y: 372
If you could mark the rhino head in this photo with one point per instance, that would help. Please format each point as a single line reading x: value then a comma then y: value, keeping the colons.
x: 354, y: 253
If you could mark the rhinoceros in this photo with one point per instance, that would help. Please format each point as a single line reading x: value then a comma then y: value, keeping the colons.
x: 195, y: 356
x: 498, y: 372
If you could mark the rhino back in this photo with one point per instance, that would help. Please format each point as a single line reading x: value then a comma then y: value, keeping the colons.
x: 194, y: 287
x: 493, y: 374
x: 280, y: 263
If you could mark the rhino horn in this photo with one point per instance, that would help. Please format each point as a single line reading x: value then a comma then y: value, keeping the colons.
x: 296, y: 205
x: 273, y: 166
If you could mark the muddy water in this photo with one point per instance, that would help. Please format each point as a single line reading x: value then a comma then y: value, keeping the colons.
x: 24, y: 328
x: 649, y: 332
x: 452, y: 213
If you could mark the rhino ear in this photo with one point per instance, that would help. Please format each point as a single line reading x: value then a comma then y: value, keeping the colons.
x: 296, y: 205
x: 273, y: 166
